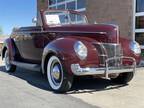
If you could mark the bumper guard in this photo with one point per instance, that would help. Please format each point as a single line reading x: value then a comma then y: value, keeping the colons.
x: 77, y: 70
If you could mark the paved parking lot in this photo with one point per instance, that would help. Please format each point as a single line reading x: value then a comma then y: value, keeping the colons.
x: 107, y: 95
x: 27, y: 89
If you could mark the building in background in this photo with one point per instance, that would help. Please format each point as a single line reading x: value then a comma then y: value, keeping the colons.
x: 139, y: 21
x: 128, y: 14
x: 79, y: 5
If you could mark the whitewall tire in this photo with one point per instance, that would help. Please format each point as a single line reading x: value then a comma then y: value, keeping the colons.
x: 58, y: 79
x: 8, y: 66
x: 123, y: 78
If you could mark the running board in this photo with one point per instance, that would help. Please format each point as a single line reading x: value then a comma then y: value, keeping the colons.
x: 33, y: 67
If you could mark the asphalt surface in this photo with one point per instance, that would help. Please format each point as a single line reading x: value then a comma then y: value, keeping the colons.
x: 28, y: 89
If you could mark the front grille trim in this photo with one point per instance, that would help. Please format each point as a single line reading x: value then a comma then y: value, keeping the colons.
x: 108, y: 50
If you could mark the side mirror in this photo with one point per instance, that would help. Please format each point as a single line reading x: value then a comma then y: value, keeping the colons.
x: 34, y: 20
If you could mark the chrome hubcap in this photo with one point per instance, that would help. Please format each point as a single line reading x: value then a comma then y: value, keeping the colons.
x: 56, y: 72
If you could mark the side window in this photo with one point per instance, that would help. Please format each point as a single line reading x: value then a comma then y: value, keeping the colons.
x: 77, y: 19
x: 73, y: 18
x: 63, y: 19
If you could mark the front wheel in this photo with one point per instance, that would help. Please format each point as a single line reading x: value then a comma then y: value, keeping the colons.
x: 8, y: 66
x: 58, y: 78
x: 123, y: 78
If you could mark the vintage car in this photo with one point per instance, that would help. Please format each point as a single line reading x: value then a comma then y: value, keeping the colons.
x: 63, y: 45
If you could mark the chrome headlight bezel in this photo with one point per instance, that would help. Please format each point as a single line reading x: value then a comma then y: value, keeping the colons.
x: 135, y: 47
x: 80, y: 50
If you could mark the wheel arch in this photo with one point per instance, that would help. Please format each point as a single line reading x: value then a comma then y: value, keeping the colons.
x: 10, y: 46
x: 45, y: 61
x: 3, y: 52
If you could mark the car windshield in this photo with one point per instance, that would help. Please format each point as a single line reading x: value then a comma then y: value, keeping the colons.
x: 64, y: 17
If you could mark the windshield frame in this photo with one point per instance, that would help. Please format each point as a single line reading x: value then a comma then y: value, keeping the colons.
x: 67, y: 12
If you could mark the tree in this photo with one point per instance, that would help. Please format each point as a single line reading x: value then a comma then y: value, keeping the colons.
x: 1, y: 31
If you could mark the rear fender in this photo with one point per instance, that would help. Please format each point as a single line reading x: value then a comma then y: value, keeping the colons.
x: 8, y: 45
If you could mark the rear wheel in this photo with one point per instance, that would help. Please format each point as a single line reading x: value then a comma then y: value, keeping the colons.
x: 123, y: 78
x: 8, y: 66
x: 58, y: 79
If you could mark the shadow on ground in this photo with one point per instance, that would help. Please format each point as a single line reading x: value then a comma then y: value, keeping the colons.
x: 81, y: 85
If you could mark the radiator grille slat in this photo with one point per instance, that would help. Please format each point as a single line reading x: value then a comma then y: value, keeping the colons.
x: 108, y: 50
x: 113, y: 50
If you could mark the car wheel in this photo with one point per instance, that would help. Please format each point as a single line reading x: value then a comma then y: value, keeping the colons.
x: 123, y: 78
x: 58, y: 79
x: 8, y: 66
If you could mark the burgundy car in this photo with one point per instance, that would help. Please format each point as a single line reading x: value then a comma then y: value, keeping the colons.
x: 63, y: 45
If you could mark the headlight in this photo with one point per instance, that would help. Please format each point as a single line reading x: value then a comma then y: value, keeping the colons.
x: 135, y: 47
x: 81, y: 50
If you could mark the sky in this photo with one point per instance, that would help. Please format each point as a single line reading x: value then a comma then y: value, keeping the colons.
x: 16, y: 13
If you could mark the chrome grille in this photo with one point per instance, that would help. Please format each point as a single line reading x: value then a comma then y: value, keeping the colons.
x: 108, y: 50
x: 113, y: 50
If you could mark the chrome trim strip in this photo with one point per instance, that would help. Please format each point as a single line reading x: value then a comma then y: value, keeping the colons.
x: 61, y: 32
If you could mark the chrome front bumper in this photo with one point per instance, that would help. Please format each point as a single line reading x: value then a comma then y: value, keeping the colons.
x: 77, y: 70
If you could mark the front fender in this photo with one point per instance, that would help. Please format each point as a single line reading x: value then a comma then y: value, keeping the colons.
x: 125, y: 43
x: 64, y: 49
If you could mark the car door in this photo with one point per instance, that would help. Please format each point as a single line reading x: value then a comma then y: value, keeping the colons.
x: 17, y: 37
x: 32, y: 44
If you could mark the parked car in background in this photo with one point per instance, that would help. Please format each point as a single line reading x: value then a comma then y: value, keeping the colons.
x: 1, y: 43
x: 62, y: 47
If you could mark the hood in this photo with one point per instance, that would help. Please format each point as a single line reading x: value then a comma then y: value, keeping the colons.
x: 83, y: 28
x: 101, y: 32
